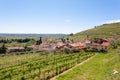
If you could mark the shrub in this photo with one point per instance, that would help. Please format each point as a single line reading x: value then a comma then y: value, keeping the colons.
x: 3, y: 49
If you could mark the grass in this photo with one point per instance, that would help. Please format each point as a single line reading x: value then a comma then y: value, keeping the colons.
x: 99, y: 68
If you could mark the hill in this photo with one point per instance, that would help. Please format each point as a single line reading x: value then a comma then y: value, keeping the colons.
x: 104, y: 30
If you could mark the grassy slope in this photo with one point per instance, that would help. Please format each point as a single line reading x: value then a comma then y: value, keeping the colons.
x: 104, y: 30
x: 99, y: 68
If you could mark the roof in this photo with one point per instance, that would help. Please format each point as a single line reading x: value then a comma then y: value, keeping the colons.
x: 104, y: 39
x: 78, y: 44
x: 60, y: 44
x: 105, y: 44
x: 87, y: 41
x: 96, y: 44
x: 15, y: 47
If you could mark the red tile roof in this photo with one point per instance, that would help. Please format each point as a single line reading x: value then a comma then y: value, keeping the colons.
x: 15, y: 48
x: 79, y: 44
x: 106, y: 44
x: 104, y: 39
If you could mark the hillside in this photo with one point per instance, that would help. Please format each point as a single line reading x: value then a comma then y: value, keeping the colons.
x: 104, y: 30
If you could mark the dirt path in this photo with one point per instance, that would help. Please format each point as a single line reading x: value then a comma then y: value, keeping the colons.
x: 72, y: 68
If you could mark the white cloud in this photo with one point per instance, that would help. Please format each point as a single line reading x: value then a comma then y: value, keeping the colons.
x: 68, y: 20
x: 112, y: 21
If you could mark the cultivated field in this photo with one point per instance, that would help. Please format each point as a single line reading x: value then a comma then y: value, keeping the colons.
x: 38, y: 66
x: 101, y: 67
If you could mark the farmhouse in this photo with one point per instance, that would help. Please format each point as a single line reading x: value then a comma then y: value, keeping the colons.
x: 100, y: 45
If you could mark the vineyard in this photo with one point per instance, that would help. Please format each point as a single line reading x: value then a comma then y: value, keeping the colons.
x: 38, y: 66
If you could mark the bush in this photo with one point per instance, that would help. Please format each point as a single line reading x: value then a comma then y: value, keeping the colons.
x: 113, y: 45
x: 3, y: 49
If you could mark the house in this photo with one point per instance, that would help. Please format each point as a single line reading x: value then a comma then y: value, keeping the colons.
x: 77, y: 45
x: 16, y: 49
x: 87, y: 43
x: 100, y: 45
x: 70, y: 47
x: 60, y: 45
x: 47, y: 47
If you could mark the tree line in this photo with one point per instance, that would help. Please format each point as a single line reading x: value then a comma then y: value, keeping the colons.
x: 17, y: 40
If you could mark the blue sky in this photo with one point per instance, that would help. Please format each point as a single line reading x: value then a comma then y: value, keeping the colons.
x: 56, y: 16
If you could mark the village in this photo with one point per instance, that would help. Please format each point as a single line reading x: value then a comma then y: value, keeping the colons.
x: 59, y: 40
x: 65, y: 45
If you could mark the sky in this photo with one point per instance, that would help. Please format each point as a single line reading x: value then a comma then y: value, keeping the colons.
x: 56, y: 16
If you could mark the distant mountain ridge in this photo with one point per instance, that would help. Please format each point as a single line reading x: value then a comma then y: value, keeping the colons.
x: 37, y: 35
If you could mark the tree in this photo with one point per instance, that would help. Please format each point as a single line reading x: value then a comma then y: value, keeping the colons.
x: 3, y: 49
x: 38, y: 42
x: 87, y: 36
x: 71, y: 34
x: 95, y: 26
x: 63, y: 40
